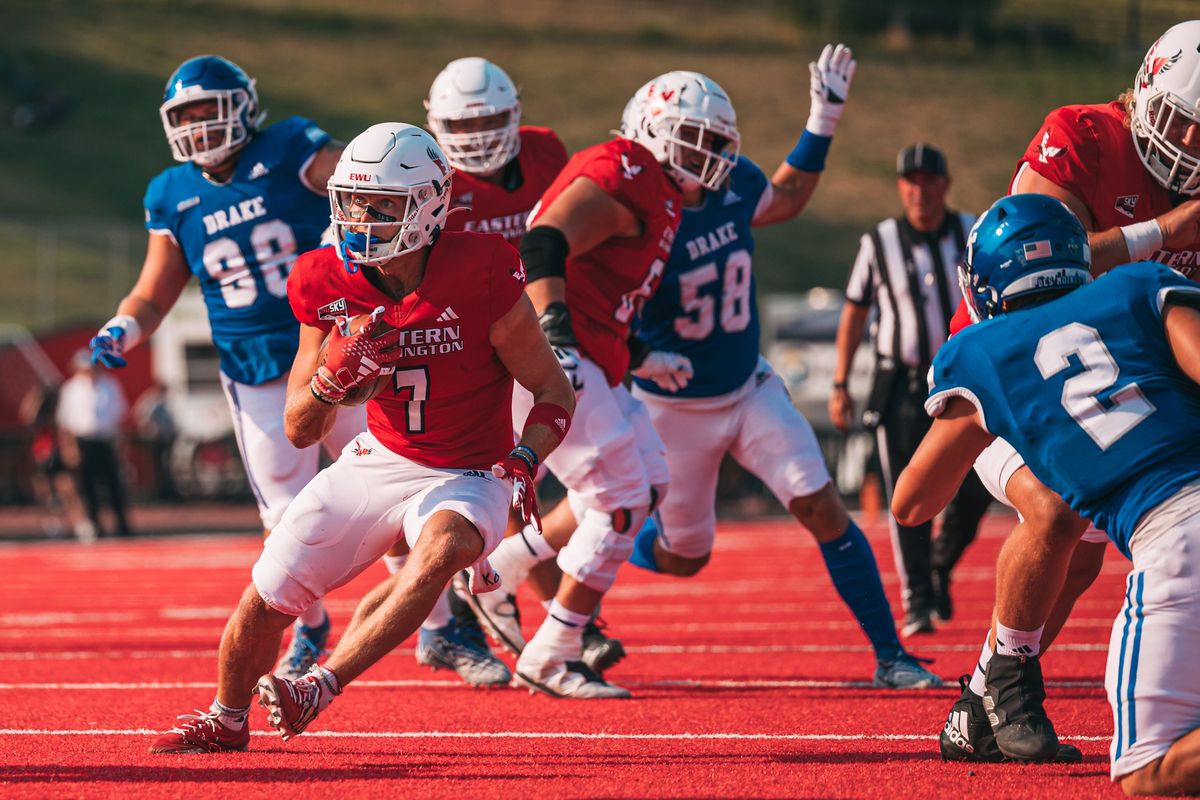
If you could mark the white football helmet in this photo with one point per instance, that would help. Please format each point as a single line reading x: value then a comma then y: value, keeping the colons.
x: 469, y: 88
x: 671, y: 116
x: 1166, y: 100
x: 390, y: 159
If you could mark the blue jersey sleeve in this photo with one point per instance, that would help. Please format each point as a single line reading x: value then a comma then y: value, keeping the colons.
x: 297, y: 140
x: 962, y: 369
x: 161, y: 215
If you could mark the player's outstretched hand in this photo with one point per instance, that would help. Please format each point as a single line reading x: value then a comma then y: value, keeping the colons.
x: 354, y: 358
x: 1181, y: 225
x: 108, y: 347
x: 829, y: 86
x: 518, y: 469
x: 671, y: 371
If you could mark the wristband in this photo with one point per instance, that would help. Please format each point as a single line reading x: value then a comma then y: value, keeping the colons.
x: 554, y: 417
x: 839, y: 384
x: 133, y: 331
x: 809, y: 153
x: 320, y: 397
x: 526, y: 454
x: 323, y: 390
x: 1143, y: 239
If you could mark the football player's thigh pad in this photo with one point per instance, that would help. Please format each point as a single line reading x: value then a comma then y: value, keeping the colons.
x: 776, y: 443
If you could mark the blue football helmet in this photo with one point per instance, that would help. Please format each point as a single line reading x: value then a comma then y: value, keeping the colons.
x: 1025, y: 244
x: 210, y: 141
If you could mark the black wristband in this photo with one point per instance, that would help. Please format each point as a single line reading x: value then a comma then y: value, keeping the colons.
x: 544, y: 251
x: 322, y: 398
x: 839, y: 384
x: 556, y: 324
x: 638, y: 350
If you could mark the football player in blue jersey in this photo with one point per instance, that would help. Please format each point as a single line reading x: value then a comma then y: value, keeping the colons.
x: 239, y: 209
x: 701, y: 377
x: 1094, y: 384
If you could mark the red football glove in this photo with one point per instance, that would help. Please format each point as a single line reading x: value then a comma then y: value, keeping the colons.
x: 519, y: 467
x: 354, y: 358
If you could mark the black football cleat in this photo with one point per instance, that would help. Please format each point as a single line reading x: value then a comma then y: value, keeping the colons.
x: 1013, y: 700
x: 967, y: 734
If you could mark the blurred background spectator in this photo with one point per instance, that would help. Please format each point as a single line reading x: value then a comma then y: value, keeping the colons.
x: 91, y: 408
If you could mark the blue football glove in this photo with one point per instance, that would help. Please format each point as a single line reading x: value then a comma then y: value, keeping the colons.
x: 108, y: 347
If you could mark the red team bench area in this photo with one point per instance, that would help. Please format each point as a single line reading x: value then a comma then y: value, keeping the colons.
x: 747, y: 682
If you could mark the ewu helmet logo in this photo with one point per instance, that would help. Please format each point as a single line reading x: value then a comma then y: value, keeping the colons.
x: 433, y: 156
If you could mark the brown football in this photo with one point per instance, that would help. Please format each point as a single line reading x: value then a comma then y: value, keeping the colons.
x: 372, y: 388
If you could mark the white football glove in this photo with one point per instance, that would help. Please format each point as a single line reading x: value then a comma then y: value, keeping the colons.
x: 671, y: 371
x: 828, y: 87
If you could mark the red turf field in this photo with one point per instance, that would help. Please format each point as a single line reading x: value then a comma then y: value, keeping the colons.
x: 750, y: 680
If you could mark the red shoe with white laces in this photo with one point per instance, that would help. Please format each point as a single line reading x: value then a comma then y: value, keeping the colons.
x: 293, y: 704
x: 202, y: 732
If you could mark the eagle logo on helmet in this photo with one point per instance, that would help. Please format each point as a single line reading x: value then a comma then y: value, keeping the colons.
x: 1155, y: 66
x: 433, y: 156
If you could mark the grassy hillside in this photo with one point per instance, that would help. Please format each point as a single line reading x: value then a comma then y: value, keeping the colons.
x: 75, y: 189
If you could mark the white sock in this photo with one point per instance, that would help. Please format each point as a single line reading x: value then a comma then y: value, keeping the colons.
x: 441, y: 615
x: 518, y: 554
x: 1012, y: 642
x: 330, y: 682
x: 394, y: 563
x: 561, y: 635
x: 314, y: 615
x: 232, y: 718
x: 977, y: 681
x: 547, y: 603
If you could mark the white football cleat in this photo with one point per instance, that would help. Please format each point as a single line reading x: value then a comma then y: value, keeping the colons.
x: 567, y: 679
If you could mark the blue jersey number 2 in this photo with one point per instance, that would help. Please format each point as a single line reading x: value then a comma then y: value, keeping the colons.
x: 1128, y: 406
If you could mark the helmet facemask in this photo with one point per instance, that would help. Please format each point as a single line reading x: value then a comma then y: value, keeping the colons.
x: 687, y: 148
x: 484, y: 151
x: 1159, y: 122
x: 212, y: 141
x: 358, y: 224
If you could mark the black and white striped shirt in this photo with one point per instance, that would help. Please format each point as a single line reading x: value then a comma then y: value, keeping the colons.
x: 914, y: 283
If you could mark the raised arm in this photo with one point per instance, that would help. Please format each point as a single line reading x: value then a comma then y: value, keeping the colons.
x: 797, y: 176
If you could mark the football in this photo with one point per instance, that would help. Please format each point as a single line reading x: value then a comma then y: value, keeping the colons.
x: 371, y: 388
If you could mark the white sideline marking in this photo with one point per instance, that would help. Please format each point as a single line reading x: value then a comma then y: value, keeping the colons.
x: 803, y: 737
x: 86, y: 655
x: 685, y: 683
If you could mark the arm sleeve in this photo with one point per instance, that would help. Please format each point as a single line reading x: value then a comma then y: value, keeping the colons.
x: 160, y: 216
x: 952, y: 376
x: 299, y: 296
x: 860, y: 289
x: 629, y: 173
x: 300, y: 140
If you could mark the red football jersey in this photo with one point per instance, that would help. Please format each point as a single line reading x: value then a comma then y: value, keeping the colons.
x: 1088, y: 151
x: 451, y: 401
x: 485, y: 207
x: 607, y: 285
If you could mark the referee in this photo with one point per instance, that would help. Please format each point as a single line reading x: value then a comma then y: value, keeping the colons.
x: 907, y: 266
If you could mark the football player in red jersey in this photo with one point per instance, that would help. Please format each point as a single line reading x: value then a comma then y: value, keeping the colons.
x: 436, y: 466
x: 595, y: 248
x: 1130, y: 170
x: 501, y: 167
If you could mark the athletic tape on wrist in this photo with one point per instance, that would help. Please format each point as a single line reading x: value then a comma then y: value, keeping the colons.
x: 133, y: 331
x: 810, y: 151
x: 1143, y: 239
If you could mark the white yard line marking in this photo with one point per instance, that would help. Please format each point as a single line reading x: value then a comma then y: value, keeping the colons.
x: 803, y: 737
x: 434, y: 684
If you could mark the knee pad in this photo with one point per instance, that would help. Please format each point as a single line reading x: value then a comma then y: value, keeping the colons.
x: 278, y: 589
x: 601, y: 543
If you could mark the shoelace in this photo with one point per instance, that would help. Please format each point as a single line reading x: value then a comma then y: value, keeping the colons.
x: 305, y: 651
x: 197, y: 721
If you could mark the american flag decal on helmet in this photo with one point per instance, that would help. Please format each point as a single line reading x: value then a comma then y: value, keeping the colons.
x: 1038, y: 249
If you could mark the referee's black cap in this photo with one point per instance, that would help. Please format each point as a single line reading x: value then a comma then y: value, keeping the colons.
x: 921, y: 157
